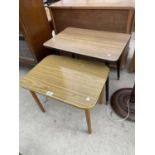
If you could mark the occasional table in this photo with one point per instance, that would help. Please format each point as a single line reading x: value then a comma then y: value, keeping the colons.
x: 107, y: 46
x: 104, y: 15
x: 75, y: 82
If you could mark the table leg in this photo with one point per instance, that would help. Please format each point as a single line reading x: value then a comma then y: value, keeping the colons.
x: 107, y: 87
x: 107, y: 90
x: 37, y: 101
x: 73, y: 56
x: 87, y: 113
x: 118, y: 69
x: 101, y: 98
x: 56, y: 51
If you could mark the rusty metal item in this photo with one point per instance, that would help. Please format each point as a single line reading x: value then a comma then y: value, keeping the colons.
x: 119, y: 102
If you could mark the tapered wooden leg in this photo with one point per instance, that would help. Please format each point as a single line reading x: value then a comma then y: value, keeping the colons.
x: 37, y: 101
x: 101, y: 98
x: 87, y: 113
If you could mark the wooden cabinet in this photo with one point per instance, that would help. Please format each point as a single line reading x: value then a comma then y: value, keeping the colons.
x: 35, y: 28
x: 114, y: 15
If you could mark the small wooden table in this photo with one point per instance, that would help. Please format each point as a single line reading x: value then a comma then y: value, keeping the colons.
x: 75, y: 82
x: 107, y: 46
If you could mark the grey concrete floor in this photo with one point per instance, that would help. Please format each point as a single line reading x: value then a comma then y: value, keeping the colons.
x: 62, y: 129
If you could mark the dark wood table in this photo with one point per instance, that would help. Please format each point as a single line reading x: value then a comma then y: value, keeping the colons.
x: 113, y: 15
x: 107, y: 46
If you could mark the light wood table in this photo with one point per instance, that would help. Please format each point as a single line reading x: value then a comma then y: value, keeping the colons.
x: 75, y: 82
x: 107, y: 46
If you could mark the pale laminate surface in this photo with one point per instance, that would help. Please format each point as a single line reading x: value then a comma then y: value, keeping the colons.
x: 99, y: 44
x: 118, y: 4
x: 76, y: 82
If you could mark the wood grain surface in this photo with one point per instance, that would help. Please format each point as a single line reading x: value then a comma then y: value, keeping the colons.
x: 119, y: 4
x: 98, y: 44
x: 75, y: 82
x: 34, y: 26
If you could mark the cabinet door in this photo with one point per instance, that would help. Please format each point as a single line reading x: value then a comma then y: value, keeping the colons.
x: 34, y: 26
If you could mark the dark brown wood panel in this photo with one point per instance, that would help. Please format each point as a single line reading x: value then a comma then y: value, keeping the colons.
x: 34, y: 26
x: 108, y: 20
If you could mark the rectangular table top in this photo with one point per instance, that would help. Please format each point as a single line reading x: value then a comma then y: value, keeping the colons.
x: 119, y: 4
x: 98, y: 44
x: 73, y: 81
